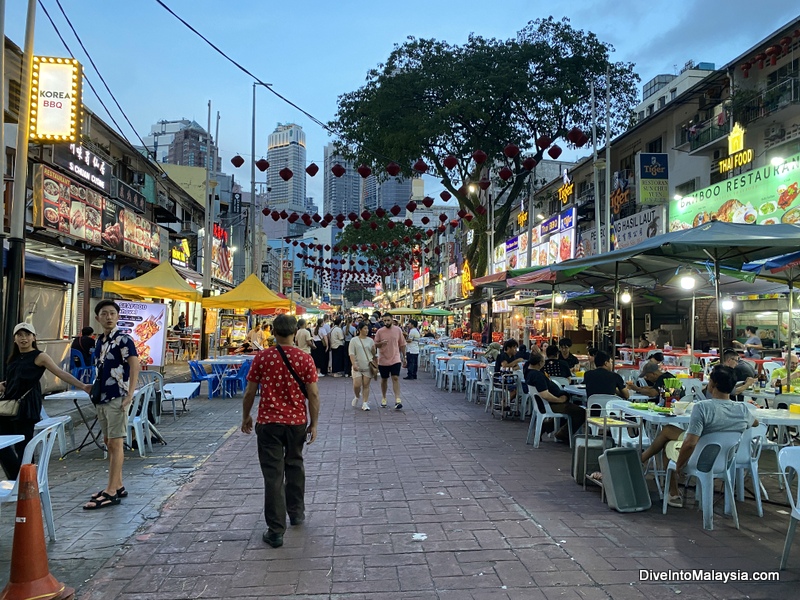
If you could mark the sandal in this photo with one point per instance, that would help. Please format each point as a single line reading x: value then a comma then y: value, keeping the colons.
x: 102, y: 501
x: 121, y: 493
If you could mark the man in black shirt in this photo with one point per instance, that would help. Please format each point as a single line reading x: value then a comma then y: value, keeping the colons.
x: 508, y: 359
x: 564, y: 344
x: 603, y: 379
x: 84, y: 344
x: 654, y: 377
x: 558, y: 400
x: 555, y: 366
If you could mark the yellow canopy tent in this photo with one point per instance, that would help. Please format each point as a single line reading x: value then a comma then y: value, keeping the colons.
x: 162, y: 282
x: 252, y: 294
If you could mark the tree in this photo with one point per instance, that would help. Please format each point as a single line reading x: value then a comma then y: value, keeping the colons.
x: 354, y: 292
x: 380, y: 244
x: 432, y: 99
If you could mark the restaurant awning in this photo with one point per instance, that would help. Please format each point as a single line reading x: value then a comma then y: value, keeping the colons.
x: 162, y: 282
x: 250, y: 294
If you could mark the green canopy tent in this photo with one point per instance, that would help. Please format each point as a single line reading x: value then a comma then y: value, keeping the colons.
x: 436, y: 312
x: 404, y: 311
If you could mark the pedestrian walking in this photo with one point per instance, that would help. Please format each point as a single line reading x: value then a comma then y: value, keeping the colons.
x: 287, y: 377
x: 363, y: 356
x: 118, y: 369
x: 337, y: 348
x: 391, y: 347
x: 412, y: 350
x: 24, y: 371
x: 302, y: 338
x: 320, y: 349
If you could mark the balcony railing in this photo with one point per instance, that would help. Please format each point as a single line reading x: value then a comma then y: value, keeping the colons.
x: 769, y: 101
x: 705, y: 133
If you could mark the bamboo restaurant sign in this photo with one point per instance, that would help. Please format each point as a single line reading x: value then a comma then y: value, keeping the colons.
x: 55, y: 99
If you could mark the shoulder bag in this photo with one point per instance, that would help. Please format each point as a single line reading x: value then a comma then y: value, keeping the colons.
x: 292, y: 371
x: 10, y: 407
x: 373, y: 368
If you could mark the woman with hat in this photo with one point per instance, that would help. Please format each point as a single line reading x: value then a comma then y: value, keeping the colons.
x: 25, y: 368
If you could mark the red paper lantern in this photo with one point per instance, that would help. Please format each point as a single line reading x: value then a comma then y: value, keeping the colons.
x: 340, y: 224
x: 427, y: 201
x: 420, y: 166
x: 443, y: 217
x: 373, y: 225
x: 469, y: 217
x: 543, y: 142
x: 262, y: 164
x: 484, y: 183
x: 430, y: 232
x: 316, y: 218
x: 294, y: 242
x: 237, y: 161
x: 425, y: 220
x: 380, y: 212
x: 312, y: 169
x: 511, y: 150
x: 442, y: 228
x: 285, y: 173
x: 395, y: 210
x: 554, y: 152
x: 352, y: 216
x: 454, y: 223
x: 265, y: 211
x: 462, y: 213
x: 437, y: 250
x: 480, y: 209
x: 479, y: 156
x: 393, y: 169
x: 285, y: 215
x: 408, y: 222
x: 366, y: 215
x: 506, y: 173
x: 445, y: 195
x: 293, y: 218
x: 529, y: 163
x: 417, y: 236
x: 338, y: 170
x: 390, y: 224
x: 450, y: 162
x: 395, y: 243
x: 384, y: 244
x: 364, y: 171
x: 411, y: 206
x: 276, y: 216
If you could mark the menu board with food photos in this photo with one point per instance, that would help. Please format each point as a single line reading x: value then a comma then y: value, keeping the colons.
x: 69, y: 208
x: 145, y: 323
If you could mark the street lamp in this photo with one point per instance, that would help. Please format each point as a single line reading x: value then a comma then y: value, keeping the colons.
x: 253, y: 179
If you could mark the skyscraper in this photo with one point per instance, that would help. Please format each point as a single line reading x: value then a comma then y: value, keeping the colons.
x: 395, y: 190
x: 286, y: 148
x: 341, y: 195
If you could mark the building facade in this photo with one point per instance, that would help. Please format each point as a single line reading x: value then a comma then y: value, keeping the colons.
x: 286, y: 148
x: 341, y: 195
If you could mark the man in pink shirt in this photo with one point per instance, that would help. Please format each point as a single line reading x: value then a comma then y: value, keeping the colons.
x: 391, y: 346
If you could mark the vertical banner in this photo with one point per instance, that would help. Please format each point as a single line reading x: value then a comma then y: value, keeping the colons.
x: 653, y: 177
x: 145, y: 323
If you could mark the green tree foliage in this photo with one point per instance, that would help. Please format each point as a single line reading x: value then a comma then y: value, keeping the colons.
x: 431, y: 99
x: 387, y: 257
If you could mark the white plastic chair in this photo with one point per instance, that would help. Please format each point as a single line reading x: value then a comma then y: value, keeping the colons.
x: 42, y: 446
x: 542, y: 411
x: 471, y: 378
x: 599, y: 402
x: 560, y: 381
x: 138, y: 423
x: 453, y: 373
x: 789, y: 460
x: 61, y: 422
x: 693, y: 390
x: 628, y: 374
x: 440, y: 367
x: 769, y: 367
x: 747, y: 460
x: 712, y: 459
x: 484, y: 383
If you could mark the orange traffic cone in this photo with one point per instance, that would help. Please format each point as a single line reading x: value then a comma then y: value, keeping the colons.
x: 30, y: 576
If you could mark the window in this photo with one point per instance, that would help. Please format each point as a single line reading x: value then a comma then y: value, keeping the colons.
x: 650, y: 109
x: 686, y: 188
x: 641, y: 115
x: 655, y: 145
x: 662, y: 102
x: 673, y: 93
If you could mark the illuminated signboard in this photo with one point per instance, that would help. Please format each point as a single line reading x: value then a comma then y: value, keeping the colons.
x: 566, y: 219
x: 565, y: 192
x: 549, y: 226
x: 653, y: 179
x: 522, y: 218
x: 180, y: 254
x: 737, y: 155
x: 466, y: 281
x: 55, y: 99
x: 86, y: 166
x: 511, y: 252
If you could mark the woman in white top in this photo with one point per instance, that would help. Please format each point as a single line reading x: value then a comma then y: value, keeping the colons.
x: 362, y: 355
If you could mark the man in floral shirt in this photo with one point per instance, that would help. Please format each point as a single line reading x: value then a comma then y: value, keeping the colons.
x: 283, y: 425
x: 117, y: 370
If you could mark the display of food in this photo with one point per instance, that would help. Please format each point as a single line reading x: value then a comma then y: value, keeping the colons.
x: 791, y: 217
x: 787, y: 194
x: 51, y: 189
x: 51, y: 215
x: 565, y: 248
x: 77, y: 219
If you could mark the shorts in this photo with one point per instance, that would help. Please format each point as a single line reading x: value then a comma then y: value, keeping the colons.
x: 386, y: 370
x: 112, y: 418
x: 673, y: 449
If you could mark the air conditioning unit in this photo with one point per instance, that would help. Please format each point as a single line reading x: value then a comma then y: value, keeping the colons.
x: 774, y: 132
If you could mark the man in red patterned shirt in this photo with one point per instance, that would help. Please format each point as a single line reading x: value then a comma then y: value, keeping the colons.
x: 287, y: 375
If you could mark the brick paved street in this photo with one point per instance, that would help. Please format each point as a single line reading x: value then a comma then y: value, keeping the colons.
x: 439, y: 501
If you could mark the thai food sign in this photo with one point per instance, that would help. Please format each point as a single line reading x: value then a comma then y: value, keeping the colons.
x: 763, y: 196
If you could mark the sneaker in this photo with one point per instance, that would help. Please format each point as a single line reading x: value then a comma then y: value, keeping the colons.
x: 297, y: 519
x: 675, y: 501
x: 383, y: 402
x: 273, y: 539
x: 365, y: 406
x: 398, y: 405
x: 354, y: 403
x: 321, y: 375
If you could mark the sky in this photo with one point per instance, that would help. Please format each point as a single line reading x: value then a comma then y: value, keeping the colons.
x: 315, y: 50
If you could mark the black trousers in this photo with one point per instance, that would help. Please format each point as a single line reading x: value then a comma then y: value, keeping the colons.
x: 337, y: 359
x: 575, y: 413
x: 412, y: 361
x: 11, y: 457
x: 348, y: 366
x: 280, y: 453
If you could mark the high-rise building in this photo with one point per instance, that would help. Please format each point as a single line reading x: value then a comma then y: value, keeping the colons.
x: 341, y: 195
x: 395, y: 190
x: 286, y: 148
x: 369, y: 193
x: 182, y: 142
x: 311, y: 206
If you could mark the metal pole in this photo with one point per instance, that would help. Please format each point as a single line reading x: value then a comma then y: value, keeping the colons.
x: 253, y: 186
x: 616, y: 316
x: 595, y: 182
x: 633, y: 334
x: 422, y: 274
x: 719, y: 304
x: 209, y: 227
x: 691, y: 331
x: 608, y: 164
x: 2, y: 201
x: 16, y: 251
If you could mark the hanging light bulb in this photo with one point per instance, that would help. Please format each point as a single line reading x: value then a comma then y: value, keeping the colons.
x: 560, y: 299
x: 688, y: 280
x: 625, y: 298
x: 727, y: 304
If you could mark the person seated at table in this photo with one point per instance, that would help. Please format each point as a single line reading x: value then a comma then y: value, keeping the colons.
x: 654, y: 376
x: 752, y: 345
x: 84, y: 344
x: 742, y: 370
x: 643, y: 341
x: 559, y: 402
x: 589, y: 364
x: 508, y: 358
x: 719, y: 413
x: 522, y: 352
x: 554, y: 365
x: 783, y: 374
x: 492, y: 352
x: 564, y: 344
x: 654, y: 357
x: 603, y: 379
